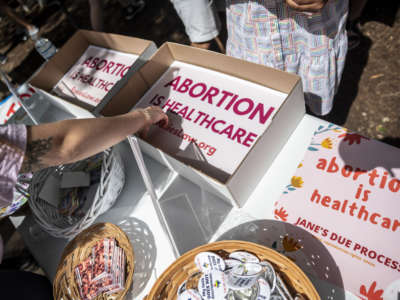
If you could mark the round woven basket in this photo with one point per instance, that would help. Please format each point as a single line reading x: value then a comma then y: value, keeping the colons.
x: 167, y: 284
x: 77, y: 250
x: 58, y: 225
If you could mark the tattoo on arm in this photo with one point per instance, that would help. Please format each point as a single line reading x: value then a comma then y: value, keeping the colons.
x: 35, y: 150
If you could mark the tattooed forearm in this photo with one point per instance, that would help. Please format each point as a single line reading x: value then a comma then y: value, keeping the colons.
x: 35, y: 150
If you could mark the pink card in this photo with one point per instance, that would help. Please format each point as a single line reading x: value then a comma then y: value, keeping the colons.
x: 346, y: 192
x: 84, y: 276
x: 99, y: 257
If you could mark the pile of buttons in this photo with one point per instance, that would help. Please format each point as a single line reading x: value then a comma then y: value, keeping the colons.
x: 242, y: 276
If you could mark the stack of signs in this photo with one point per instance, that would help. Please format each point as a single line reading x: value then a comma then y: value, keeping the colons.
x: 215, y: 119
x: 94, y: 74
x: 102, y: 272
x: 346, y: 192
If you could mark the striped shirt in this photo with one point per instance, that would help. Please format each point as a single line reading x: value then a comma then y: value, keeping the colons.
x: 12, y: 150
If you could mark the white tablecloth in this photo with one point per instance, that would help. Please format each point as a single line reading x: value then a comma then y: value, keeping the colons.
x: 135, y: 213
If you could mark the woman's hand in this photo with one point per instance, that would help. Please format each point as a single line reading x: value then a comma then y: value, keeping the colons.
x: 153, y: 115
x: 307, y: 5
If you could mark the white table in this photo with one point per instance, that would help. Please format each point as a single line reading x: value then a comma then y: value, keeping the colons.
x: 135, y: 213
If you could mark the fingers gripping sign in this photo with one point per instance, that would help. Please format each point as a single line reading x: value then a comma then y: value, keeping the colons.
x: 153, y: 115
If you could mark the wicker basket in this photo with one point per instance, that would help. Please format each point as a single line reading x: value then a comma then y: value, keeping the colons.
x: 166, y: 286
x: 58, y: 225
x: 64, y: 285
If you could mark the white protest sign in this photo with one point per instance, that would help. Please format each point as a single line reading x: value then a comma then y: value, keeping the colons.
x: 215, y: 118
x: 94, y: 74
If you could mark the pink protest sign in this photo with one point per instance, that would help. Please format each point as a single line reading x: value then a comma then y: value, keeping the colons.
x: 215, y: 118
x: 346, y: 192
x: 94, y: 74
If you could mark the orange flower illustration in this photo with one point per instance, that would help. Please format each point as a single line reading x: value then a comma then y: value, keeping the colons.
x: 371, y: 294
x: 281, y: 214
x: 327, y: 143
x: 300, y: 165
x: 352, y: 138
x: 297, y: 181
x: 290, y: 244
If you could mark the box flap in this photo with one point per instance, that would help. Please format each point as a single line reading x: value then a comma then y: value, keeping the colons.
x: 266, y: 76
x: 116, y: 42
x: 52, y: 72
x: 157, y: 65
x: 60, y: 63
x: 127, y: 96
x: 246, y: 177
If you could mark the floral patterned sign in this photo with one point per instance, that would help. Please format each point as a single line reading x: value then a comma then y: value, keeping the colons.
x: 346, y: 192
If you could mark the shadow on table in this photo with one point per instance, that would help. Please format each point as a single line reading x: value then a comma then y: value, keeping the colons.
x: 298, y: 245
x: 144, y: 249
x: 192, y: 214
x: 357, y: 151
x: 134, y: 189
x: 356, y: 61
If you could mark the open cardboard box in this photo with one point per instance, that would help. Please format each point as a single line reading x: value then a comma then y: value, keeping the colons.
x: 53, y: 71
x: 238, y: 187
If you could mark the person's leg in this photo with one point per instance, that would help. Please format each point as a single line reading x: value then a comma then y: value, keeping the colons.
x: 201, y: 22
x: 132, y: 7
x: 355, y: 9
x: 353, y: 32
x: 96, y: 14
x: 25, y: 286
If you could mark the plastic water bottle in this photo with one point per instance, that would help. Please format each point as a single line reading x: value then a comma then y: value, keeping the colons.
x: 45, y: 48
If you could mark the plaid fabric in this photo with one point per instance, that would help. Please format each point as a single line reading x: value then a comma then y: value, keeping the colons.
x: 314, y: 46
x: 12, y: 149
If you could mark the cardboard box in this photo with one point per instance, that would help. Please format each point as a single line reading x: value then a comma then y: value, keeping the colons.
x: 45, y: 108
x: 55, y: 69
x: 214, y: 118
x: 94, y: 74
x: 238, y: 186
